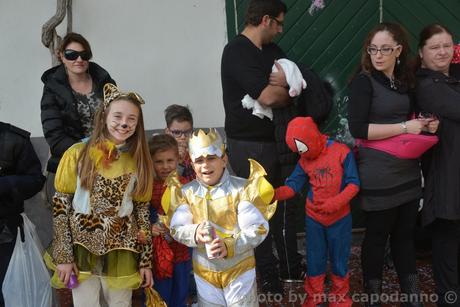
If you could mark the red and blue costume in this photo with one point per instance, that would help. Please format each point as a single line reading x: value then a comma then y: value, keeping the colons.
x: 329, y: 170
x: 171, y: 264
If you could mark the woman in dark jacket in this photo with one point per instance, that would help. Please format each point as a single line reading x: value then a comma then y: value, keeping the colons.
x: 380, y: 108
x: 438, y: 92
x: 71, y: 94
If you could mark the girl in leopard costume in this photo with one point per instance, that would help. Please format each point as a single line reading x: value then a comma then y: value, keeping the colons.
x: 103, y: 188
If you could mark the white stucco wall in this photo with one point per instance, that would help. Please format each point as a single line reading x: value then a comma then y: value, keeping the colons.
x: 167, y: 50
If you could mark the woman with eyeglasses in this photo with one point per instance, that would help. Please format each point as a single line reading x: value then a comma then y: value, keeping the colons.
x: 72, y: 92
x: 379, y: 107
x: 438, y: 93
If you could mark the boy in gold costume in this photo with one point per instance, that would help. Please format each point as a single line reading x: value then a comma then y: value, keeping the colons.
x: 236, y: 209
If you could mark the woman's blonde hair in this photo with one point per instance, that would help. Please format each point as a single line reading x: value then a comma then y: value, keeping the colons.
x: 137, y: 147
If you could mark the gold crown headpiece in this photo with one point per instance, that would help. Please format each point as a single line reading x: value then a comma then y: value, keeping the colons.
x: 205, y: 144
x: 111, y: 92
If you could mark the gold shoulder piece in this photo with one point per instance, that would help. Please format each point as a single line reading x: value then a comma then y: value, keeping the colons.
x: 259, y: 191
x: 255, y: 169
x: 172, y: 196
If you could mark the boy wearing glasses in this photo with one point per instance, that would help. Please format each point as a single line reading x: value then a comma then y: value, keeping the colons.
x: 179, y: 124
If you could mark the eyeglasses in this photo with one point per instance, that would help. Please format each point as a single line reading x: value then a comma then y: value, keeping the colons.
x: 72, y: 55
x: 383, y: 51
x: 279, y: 23
x: 179, y: 133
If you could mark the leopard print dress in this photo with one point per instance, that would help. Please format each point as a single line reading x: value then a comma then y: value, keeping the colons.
x: 101, y: 231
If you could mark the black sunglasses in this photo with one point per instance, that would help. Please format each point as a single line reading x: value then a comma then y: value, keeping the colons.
x: 72, y: 55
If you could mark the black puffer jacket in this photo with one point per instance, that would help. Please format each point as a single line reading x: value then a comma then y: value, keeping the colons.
x: 440, y: 95
x: 60, y: 120
x: 20, y: 174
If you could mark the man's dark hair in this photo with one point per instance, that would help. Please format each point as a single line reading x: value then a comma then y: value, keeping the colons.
x: 179, y: 113
x: 259, y: 8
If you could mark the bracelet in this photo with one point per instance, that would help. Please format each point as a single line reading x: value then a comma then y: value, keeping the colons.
x: 404, y: 127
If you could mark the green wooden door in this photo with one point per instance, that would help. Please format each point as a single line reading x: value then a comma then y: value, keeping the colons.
x: 329, y: 39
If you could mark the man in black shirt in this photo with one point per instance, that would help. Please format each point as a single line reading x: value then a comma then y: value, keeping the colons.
x: 247, y: 63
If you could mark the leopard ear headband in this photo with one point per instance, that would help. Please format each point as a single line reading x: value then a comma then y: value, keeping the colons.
x: 111, y: 93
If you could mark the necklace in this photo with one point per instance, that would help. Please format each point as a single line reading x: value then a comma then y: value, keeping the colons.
x: 393, y: 84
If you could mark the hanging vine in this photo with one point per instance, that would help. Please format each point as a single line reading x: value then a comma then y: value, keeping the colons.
x: 50, y: 38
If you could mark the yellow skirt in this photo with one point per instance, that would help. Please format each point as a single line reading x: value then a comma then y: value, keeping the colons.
x: 118, y: 267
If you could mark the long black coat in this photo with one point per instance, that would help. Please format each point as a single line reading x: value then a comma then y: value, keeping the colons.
x: 60, y: 120
x: 20, y: 174
x: 440, y: 95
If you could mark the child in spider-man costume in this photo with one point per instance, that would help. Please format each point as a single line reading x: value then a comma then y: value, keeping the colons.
x: 329, y: 170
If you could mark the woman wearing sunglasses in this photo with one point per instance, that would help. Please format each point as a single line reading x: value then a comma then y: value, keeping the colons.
x: 71, y: 94
x: 379, y: 108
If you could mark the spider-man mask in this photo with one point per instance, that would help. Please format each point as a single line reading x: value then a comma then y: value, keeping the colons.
x: 303, y: 136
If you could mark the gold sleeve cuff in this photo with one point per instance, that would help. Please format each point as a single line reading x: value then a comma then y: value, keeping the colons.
x: 230, y: 245
x: 66, y: 174
x: 261, y: 230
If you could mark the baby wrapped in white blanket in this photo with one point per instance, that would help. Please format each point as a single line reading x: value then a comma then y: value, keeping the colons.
x: 293, y: 78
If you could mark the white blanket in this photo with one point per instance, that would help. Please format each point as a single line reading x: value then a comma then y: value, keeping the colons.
x: 293, y: 78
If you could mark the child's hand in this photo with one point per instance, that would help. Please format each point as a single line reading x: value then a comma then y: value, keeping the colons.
x: 283, y: 193
x: 65, y: 270
x: 317, y: 206
x: 278, y: 78
x: 141, y: 237
x: 146, y: 275
x: 218, y: 248
x: 201, y: 235
x: 157, y: 230
x: 326, y: 209
x: 329, y: 206
x: 183, y: 148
